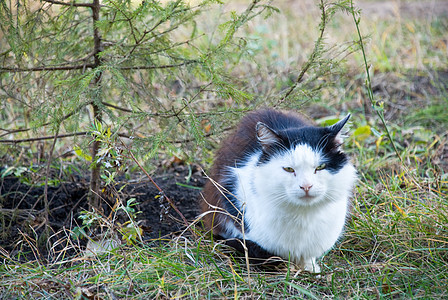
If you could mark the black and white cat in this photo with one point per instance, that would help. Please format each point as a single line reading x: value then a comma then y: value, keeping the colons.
x: 282, y: 185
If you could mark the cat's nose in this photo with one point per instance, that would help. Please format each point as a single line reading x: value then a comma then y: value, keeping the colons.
x: 306, y: 187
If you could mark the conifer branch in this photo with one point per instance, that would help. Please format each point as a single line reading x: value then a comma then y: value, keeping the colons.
x: 85, y: 66
x: 116, y: 107
x: 77, y: 109
x: 43, y: 138
x: 189, y: 140
x: 312, y: 58
x: 74, y: 4
x: 185, y: 63
x: 59, y: 136
x: 46, y: 68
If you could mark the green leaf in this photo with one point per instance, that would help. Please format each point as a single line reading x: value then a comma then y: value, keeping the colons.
x: 80, y: 153
x: 188, y: 186
x: 362, y: 133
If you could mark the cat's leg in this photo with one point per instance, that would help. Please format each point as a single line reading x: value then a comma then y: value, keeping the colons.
x: 256, y: 254
x: 310, y: 265
x: 253, y: 249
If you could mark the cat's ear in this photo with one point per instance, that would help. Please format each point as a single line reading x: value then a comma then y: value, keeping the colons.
x: 266, y: 136
x: 336, y: 129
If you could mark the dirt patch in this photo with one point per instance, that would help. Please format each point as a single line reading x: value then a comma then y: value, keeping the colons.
x: 22, y: 214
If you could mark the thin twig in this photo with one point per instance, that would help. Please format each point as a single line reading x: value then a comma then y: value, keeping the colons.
x: 158, y: 67
x: 43, y: 138
x: 47, y: 175
x: 376, y: 108
x: 46, y: 68
x: 116, y: 107
x: 81, y: 67
x: 75, y: 4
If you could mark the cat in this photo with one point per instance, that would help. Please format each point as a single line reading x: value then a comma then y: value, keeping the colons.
x: 280, y: 186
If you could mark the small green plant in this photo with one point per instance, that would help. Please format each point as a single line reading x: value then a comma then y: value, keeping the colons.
x: 16, y: 171
x: 110, y: 155
x: 110, y: 152
x: 94, y: 223
x: 130, y: 231
x: 89, y: 220
x: 30, y: 175
x: 378, y: 106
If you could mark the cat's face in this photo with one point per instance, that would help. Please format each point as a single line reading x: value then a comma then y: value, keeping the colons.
x: 303, y: 166
x: 299, y: 176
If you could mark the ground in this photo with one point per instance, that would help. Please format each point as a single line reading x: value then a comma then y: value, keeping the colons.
x: 23, y: 207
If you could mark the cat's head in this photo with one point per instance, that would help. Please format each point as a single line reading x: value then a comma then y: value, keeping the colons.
x: 303, y: 165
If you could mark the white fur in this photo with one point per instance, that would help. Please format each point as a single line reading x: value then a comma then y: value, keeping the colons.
x: 281, y: 217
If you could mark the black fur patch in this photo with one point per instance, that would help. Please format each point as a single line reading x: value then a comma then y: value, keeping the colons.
x: 233, y: 206
x: 319, y: 139
x: 257, y: 255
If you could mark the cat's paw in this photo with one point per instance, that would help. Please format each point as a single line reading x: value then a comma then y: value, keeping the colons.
x: 311, y: 266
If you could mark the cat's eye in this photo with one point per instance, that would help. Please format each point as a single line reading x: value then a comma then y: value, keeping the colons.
x: 320, y: 167
x: 289, y: 169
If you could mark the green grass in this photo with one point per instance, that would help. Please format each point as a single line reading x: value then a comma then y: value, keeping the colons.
x: 395, y: 245
x: 396, y: 242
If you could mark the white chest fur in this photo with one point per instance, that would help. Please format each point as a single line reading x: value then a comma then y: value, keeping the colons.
x: 284, y: 222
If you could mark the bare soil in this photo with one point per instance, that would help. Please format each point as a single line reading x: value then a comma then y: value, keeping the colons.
x: 22, y: 217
